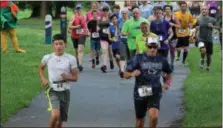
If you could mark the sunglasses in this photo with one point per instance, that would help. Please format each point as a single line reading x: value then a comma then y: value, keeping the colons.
x: 153, y: 46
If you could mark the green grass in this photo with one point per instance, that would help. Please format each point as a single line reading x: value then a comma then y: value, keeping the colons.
x: 19, y: 72
x: 202, y: 92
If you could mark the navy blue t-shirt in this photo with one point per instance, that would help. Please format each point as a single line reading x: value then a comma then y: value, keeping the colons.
x: 151, y: 68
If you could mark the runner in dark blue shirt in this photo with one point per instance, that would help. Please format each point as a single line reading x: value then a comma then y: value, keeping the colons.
x: 148, y: 68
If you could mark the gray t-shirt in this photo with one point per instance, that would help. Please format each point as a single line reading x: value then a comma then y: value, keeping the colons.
x: 58, y: 65
x: 205, y: 32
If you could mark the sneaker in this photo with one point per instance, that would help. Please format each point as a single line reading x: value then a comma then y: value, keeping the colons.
x: 80, y: 68
x: 111, y: 65
x: 185, y: 64
x: 208, y: 69
x: 202, y: 64
x: 93, y: 63
x: 103, y: 69
x: 97, y: 60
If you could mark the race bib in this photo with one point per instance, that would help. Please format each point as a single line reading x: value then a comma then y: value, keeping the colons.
x: 105, y: 31
x: 59, y: 87
x: 213, y: 11
x: 79, y: 31
x: 182, y: 30
x: 145, y: 91
x: 95, y: 35
x: 161, y: 38
x: 124, y: 37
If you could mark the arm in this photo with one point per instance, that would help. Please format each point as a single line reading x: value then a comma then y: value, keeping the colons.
x: 41, y: 74
x: 170, y: 31
x: 177, y: 25
x: 109, y: 35
x: 72, y: 77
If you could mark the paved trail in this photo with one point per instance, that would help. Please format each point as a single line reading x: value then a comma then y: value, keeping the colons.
x: 103, y: 100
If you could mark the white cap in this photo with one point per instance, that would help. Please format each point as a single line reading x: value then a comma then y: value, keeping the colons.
x: 152, y: 40
x: 200, y: 44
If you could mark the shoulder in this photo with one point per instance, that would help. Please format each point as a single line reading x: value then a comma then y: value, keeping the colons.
x: 152, y: 34
x: 69, y: 56
x: 48, y: 56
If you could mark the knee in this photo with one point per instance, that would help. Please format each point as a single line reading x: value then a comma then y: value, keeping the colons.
x: 153, y: 117
x: 55, y: 114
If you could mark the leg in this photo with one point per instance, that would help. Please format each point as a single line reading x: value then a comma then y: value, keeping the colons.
x: 185, y: 54
x: 13, y: 36
x: 104, y: 46
x: 153, y: 108
x: 178, y: 48
x: 172, y: 51
x: 153, y: 117
x: 140, y: 110
x: 203, y: 54
x: 81, y: 43
x: 92, y: 53
x: 55, y: 116
x: 97, y: 49
x: 185, y: 43
x: 110, y: 54
x: 209, y: 52
x: 4, y: 45
x: 75, y: 45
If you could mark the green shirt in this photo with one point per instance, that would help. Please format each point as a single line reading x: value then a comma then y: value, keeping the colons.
x: 141, y: 42
x: 133, y: 27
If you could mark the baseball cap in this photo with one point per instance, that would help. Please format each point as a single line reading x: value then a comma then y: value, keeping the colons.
x: 78, y: 6
x: 152, y: 40
x: 105, y: 8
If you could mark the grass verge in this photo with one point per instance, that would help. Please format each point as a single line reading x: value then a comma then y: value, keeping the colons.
x: 202, y: 92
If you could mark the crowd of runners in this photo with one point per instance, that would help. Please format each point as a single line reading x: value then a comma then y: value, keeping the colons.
x: 139, y: 38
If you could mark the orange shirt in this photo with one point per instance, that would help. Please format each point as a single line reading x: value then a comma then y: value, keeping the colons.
x: 185, y: 19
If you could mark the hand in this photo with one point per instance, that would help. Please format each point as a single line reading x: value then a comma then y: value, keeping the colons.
x: 210, y: 25
x: 44, y: 82
x: 65, y: 76
x: 135, y: 73
x: 78, y: 26
x: 166, y: 41
x: 165, y: 86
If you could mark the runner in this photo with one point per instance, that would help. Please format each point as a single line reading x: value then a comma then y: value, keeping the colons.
x: 163, y: 30
x: 78, y: 28
x: 114, y: 37
x: 117, y: 11
x: 141, y: 39
x: 124, y: 51
x: 148, y: 68
x: 146, y: 9
x: 62, y: 69
x: 174, y: 23
x: 206, y: 25
x: 131, y: 29
x: 186, y: 20
x: 95, y: 39
x: 104, y: 24
x: 94, y: 7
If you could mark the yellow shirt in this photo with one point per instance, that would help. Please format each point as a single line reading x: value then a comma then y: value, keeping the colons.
x: 185, y: 19
x: 141, y: 42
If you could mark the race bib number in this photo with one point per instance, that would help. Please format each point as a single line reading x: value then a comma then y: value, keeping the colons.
x: 161, y: 38
x: 105, y: 31
x: 213, y: 11
x: 182, y: 30
x: 79, y: 31
x: 124, y: 37
x: 95, y: 35
x: 145, y: 91
x: 59, y: 87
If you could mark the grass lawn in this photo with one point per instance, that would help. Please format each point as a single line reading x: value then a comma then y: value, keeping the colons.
x: 202, y: 92
x: 20, y: 81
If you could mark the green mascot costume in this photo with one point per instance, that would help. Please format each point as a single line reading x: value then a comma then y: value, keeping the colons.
x: 8, y: 25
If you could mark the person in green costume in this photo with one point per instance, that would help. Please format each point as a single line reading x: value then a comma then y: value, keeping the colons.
x: 8, y: 25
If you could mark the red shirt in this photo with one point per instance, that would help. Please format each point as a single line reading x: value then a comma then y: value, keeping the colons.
x: 79, y: 32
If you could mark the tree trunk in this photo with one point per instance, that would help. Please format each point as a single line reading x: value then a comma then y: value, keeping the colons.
x: 43, y: 10
x: 59, y: 4
x: 35, y: 11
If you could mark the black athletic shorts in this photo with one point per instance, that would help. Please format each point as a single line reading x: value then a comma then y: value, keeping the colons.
x: 142, y: 105
x: 80, y: 40
x: 116, y: 52
x: 183, y: 42
x: 209, y: 47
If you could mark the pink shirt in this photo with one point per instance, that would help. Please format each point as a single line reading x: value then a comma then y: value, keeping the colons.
x: 89, y: 15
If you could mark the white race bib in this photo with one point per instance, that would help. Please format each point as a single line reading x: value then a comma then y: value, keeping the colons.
x: 213, y: 11
x: 161, y: 38
x: 145, y: 91
x: 59, y: 87
x: 124, y: 37
x: 182, y: 30
x: 95, y: 35
x: 79, y: 31
x: 105, y: 30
